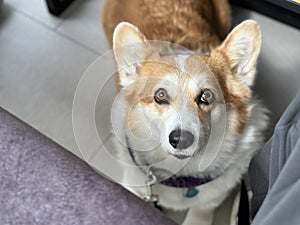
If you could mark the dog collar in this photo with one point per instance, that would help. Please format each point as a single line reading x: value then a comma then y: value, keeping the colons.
x: 185, y: 181
x: 175, y: 181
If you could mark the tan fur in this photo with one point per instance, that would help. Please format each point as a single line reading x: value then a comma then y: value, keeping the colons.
x: 193, y: 24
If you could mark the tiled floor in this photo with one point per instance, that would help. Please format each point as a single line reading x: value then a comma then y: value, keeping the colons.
x: 43, y: 58
x: 42, y: 61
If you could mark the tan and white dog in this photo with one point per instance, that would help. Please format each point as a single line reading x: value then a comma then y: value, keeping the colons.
x: 182, y: 111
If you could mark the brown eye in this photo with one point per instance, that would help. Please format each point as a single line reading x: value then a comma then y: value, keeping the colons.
x: 161, y: 96
x: 206, y: 97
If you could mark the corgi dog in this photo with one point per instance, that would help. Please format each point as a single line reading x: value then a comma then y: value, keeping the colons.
x: 186, y: 115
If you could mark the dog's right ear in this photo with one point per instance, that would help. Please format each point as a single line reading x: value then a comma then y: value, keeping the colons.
x: 130, y: 50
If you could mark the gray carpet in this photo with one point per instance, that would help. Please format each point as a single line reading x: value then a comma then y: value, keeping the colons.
x: 42, y: 183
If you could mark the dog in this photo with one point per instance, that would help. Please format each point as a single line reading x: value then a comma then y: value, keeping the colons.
x: 187, y: 115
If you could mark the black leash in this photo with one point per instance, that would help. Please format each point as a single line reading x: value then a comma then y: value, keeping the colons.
x: 244, y: 209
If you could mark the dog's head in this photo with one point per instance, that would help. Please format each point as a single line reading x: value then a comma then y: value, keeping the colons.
x: 174, y: 100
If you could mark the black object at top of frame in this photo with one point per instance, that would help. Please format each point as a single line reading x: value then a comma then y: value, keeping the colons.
x: 56, y: 7
x: 281, y: 10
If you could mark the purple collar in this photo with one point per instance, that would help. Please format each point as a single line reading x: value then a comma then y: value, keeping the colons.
x: 185, y: 182
x: 175, y: 181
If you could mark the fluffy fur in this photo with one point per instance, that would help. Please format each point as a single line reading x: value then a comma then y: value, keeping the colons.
x: 192, y: 24
x: 227, y: 132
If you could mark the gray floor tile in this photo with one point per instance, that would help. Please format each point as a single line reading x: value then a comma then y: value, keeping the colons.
x: 83, y: 24
x: 35, y: 9
x: 39, y: 72
x: 106, y: 162
x: 92, y: 105
x: 103, y: 161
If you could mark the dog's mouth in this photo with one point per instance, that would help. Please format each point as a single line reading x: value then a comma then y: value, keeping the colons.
x: 183, y: 154
x: 180, y: 156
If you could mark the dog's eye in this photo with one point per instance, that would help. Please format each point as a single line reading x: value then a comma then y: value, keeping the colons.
x: 206, y: 97
x: 161, y: 96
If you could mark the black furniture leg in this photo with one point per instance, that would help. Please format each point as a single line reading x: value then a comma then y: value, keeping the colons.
x: 55, y: 7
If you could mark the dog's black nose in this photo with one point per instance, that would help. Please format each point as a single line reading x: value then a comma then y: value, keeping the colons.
x: 181, y: 139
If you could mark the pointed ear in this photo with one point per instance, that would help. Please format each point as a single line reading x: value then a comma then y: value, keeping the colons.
x: 242, y: 47
x: 130, y: 50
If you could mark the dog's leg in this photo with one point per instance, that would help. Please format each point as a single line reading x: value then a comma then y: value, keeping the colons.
x: 199, y: 216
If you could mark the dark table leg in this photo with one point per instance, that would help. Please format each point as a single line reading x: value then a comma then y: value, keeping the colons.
x: 57, y: 6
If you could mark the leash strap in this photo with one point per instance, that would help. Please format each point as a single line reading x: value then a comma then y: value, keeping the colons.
x: 244, y: 209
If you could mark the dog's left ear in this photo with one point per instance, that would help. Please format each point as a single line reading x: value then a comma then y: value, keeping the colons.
x: 130, y: 50
x: 242, y: 47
